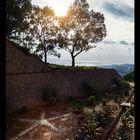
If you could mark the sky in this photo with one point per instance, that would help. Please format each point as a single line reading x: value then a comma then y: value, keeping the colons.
x: 117, y: 47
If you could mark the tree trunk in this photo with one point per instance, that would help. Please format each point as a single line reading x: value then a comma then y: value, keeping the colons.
x: 73, y: 61
x: 45, y: 56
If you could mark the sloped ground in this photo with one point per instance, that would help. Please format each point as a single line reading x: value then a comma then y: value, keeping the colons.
x: 67, y: 125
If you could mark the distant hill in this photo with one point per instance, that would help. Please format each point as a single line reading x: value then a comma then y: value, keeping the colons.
x: 121, y: 69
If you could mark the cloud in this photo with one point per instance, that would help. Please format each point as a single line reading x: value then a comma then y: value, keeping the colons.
x: 124, y: 42
x: 120, y: 10
x: 109, y: 42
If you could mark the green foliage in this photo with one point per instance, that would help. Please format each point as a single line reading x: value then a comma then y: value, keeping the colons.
x: 79, y: 104
x: 44, y: 29
x: 126, y: 120
x: 121, y: 134
x: 90, y: 101
x: 132, y: 110
x: 132, y: 107
x: 82, y: 135
x: 80, y: 28
x: 16, y: 12
x: 92, y: 129
x: 99, y: 118
x: 122, y: 86
x: 129, y: 77
x: 49, y: 94
x: 91, y: 88
x: 24, y: 39
x: 63, y: 67
x: 109, y: 110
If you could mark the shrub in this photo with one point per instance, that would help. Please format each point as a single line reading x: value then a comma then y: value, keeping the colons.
x: 122, y: 134
x: 91, y: 88
x: 132, y: 107
x: 82, y: 134
x: 99, y: 118
x: 109, y: 110
x: 88, y: 131
x: 92, y: 129
x: 90, y: 101
x: 78, y: 104
x: 132, y: 110
x: 122, y: 86
x: 129, y: 76
x: 126, y: 120
x: 49, y: 94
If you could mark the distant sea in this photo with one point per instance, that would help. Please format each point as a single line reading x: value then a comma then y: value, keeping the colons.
x: 82, y: 63
x: 121, y: 68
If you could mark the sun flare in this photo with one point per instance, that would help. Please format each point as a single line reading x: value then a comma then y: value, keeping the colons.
x: 60, y: 7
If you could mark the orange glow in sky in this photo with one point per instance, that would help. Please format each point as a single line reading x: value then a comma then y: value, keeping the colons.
x: 60, y: 6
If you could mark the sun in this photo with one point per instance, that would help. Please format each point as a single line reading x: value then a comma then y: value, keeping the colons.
x: 60, y: 7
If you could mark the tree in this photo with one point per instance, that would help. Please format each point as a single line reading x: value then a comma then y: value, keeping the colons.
x: 129, y: 77
x: 16, y: 11
x: 43, y: 28
x: 24, y: 39
x: 80, y: 29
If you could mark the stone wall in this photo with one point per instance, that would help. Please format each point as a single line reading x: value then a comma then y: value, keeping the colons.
x: 19, y: 62
x: 26, y: 88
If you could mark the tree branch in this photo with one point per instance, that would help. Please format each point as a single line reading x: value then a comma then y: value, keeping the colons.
x: 79, y: 52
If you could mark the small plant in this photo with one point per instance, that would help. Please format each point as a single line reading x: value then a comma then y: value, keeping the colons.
x: 92, y: 129
x: 91, y: 88
x: 90, y: 101
x: 82, y: 134
x: 109, y: 110
x: 122, y: 134
x: 127, y: 120
x: 99, y: 118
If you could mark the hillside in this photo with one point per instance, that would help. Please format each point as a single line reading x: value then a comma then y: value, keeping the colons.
x: 121, y: 69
